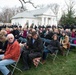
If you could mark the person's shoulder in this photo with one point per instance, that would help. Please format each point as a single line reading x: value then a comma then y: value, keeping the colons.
x: 58, y: 41
x: 39, y: 38
x: 16, y: 42
x: 67, y: 36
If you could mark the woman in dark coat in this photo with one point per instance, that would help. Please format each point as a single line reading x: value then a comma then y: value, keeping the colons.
x: 52, y: 47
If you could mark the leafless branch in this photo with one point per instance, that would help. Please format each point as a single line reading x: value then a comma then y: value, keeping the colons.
x: 21, y: 4
x: 30, y: 2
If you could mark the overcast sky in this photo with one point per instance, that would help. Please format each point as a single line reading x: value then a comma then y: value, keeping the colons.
x: 12, y: 3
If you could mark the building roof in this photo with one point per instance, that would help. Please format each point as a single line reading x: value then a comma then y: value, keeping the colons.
x: 33, y: 13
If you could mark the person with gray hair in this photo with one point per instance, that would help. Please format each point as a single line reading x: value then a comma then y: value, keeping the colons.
x: 11, y: 55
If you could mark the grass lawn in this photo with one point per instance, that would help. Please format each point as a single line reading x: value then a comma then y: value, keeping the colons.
x: 62, y: 66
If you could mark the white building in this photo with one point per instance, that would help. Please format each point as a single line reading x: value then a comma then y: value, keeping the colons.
x: 43, y: 16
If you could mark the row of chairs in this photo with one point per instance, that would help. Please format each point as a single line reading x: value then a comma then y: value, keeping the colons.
x: 38, y: 59
x: 68, y: 50
x: 47, y: 41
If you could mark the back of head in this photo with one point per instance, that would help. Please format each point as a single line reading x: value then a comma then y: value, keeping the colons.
x: 3, y: 32
x: 2, y: 37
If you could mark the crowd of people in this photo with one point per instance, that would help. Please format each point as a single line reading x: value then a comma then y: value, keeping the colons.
x: 15, y: 40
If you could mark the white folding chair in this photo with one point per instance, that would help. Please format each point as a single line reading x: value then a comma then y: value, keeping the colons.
x: 14, y: 65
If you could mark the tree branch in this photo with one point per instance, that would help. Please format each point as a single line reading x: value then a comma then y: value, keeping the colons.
x: 21, y: 4
x: 23, y: 1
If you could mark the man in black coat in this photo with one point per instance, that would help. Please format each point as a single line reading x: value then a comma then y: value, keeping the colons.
x: 15, y: 32
x: 34, y: 49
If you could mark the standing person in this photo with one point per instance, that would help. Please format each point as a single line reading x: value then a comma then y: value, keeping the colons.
x: 11, y: 55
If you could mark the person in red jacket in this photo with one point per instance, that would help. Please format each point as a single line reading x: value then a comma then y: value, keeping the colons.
x: 11, y: 55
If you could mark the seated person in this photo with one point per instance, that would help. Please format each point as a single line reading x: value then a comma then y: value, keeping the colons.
x: 64, y: 42
x: 3, y: 43
x: 73, y: 34
x: 23, y: 45
x: 10, y: 56
x: 34, y: 49
x: 62, y: 36
x: 52, y: 47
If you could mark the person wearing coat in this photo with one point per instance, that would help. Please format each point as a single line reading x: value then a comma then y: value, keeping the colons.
x: 51, y: 48
x: 15, y: 32
x: 64, y: 41
x: 34, y: 49
x: 11, y: 55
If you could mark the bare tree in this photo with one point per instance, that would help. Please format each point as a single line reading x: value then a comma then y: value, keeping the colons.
x: 7, y: 13
x: 25, y: 2
x: 41, y: 6
x: 70, y: 6
x: 69, y: 17
x: 55, y: 8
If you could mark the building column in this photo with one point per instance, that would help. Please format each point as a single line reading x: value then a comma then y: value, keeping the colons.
x: 52, y: 22
x: 42, y: 21
x: 49, y: 21
x: 46, y: 22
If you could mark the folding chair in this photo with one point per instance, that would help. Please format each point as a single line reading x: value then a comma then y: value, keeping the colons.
x: 47, y: 41
x: 68, y: 49
x: 14, y: 65
x: 55, y: 56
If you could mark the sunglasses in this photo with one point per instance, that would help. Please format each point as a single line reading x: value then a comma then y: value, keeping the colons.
x: 10, y: 38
